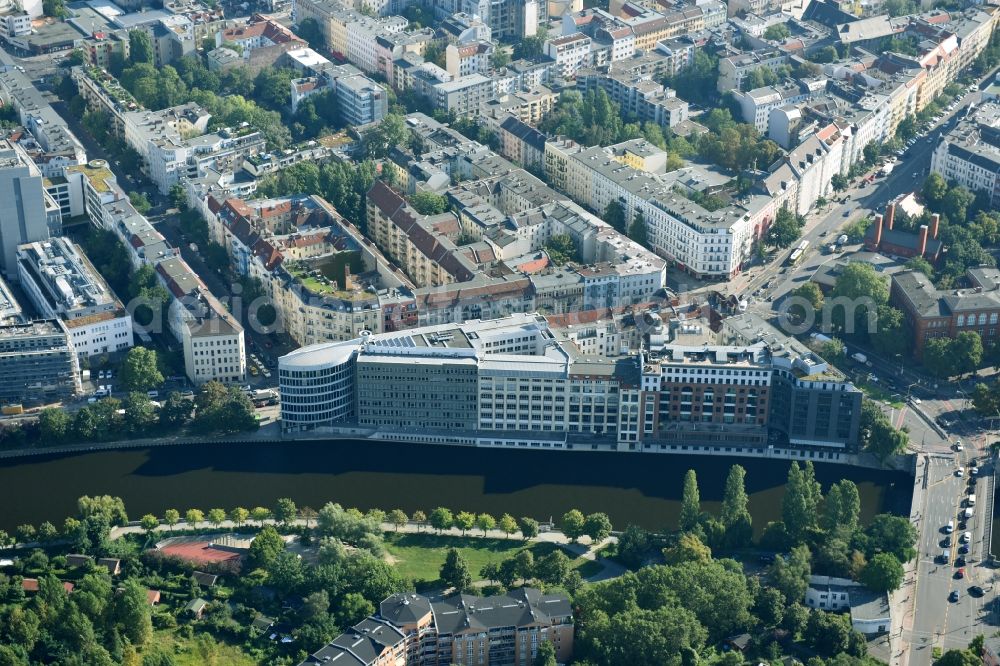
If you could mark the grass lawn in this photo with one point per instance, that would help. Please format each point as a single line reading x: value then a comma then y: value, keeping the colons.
x: 201, y: 650
x: 420, y: 556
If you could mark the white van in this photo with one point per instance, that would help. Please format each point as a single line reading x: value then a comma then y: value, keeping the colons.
x: 968, y: 513
x: 971, y: 501
x: 950, y: 527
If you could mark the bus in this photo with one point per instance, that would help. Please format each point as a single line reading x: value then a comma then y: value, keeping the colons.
x: 797, y: 253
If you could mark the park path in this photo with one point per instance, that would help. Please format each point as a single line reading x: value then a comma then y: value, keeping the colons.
x: 582, y: 548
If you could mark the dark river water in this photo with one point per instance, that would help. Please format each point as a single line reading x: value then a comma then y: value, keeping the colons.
x: 632, y: 488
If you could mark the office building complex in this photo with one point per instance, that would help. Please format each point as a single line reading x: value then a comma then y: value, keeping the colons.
x: 28, y: 212
x: 413, y: 630
x: 517, y: 381
x: 62, y: 284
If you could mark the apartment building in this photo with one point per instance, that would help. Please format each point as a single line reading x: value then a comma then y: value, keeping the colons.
x: 323, y: 279
x: 969, y: 154
x: 262, y: 41
x: 174, y: 146
x: 570, y: 53
x: 734, y: 69
x: 62, y: 284
x: 30, y: 214
x: 638, y: 96
x: 211, y: 338
x: 411, y: 629
x: 419, y: 244
x: 701, y: 242
x: 756, y: 105
x: 935, y: 313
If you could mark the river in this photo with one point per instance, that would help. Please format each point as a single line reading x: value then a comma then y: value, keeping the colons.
x: 644, y: 489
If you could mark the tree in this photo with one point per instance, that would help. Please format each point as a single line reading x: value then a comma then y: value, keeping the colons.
x: 791, y: 576
x: 54, y: 425
x: 572, y: 524
x: 637, y: 230
x: 614, y: 214
x: 561, y: 249
x: 955, y: 657
x: 843, y: 506
x: 839, y: 182
x: 785, y: 229
x: 884, y: 573
x: 176, y: 410
x: 398, y: 518
x: 309, y: 30
x: 465, y: 520
x: 736, y: 508
x: 633, y: 546
x: 171, y: 517
x: 441, y: 519
x: 967, y: 350
x: 545, y: 655
x: 140, y: 47
x: 216, y: 517
x: 455, y: 571
x: 891, y: 534
x: 688, y: 548
x: 429, y: 203
x: 524, y: 564
x: 133, y: 613
x: 769, y: 607
x: 871, y: 152
x: 552, y: 568
x: 507, y: 524
x: 239, y: 515
x: 260, y: 514
x: 529, y: 527
x: 777, y: 32
x: 140, y: 371
x: 391, y: 132
x: 833, y: 350
x: 149, y: 522
x: 194, y: 516
x: 500, y: 58
x: 597, y: 526
x: 921, y: 265
x: 265, y: 548
x: 690, y: 502
x: 485, y: 522
x: 800, y: 503
x: 139, y: 413
x: 813, y: 298
x: 140, y: 202
x: 285, y: 511
x: 419, y: 517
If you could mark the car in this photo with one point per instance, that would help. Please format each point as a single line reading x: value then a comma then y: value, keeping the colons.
x: 960, y: 574
x: 966, y: 537
x: 959, y: 472
x: 954, y: 596
x: 914, y: 174
x: 824, y: 233
x: 947, y: 542
x: 961, y: 525
x: 976, y: 591
x: 963, y: 549
x: 950, y: 527
x: 266, y: 373
x: 254, y: 371
x: 111, y: 375
x: 958, y: 445
x: 847, y: 213
x: 100, y: 375
x: 916, y: 401
x: 973, y: 472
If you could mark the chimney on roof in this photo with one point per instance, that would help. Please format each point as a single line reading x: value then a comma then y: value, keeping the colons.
x: 935, y: 222
x: 878, y: 230
x: 890, y: 213
x: 923, y: 239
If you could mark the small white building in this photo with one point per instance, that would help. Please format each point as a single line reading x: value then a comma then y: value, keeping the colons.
x: 870, y: 611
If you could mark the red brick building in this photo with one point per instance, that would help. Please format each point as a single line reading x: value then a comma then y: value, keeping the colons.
x: 944, y: 313
x: 882, y: 237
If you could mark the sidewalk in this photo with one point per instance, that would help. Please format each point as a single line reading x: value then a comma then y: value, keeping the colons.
x: 903, y: 600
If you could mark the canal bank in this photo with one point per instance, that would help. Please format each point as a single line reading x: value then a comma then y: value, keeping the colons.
x: 641, y: 489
